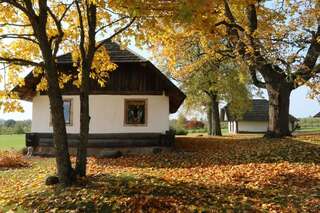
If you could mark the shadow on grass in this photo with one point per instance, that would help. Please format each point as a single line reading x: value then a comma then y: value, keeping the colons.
x: 107, y: 193
x: 193, y: 152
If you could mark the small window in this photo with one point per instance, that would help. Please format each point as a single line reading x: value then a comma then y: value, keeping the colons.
x: 67, y: 111
x: 136, y: 112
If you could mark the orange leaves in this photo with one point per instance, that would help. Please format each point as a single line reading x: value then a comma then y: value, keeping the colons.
x: 10, y: 159
x: 244, y: 174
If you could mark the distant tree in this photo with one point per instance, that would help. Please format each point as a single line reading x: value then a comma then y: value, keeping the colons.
x: 181, y: 121
x: 10, y: 123
x: 207, y: 79
x: 19, y: 129
x: 194, y: 124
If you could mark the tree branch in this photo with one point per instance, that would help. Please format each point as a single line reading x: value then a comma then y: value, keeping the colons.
x: 65, y: 12
x: 115, y: 34
x: 15, y: 25
x: 110, y: 24
x: 19, y: 36
x: 252, y: 17
x: 255, y: 80
x: 82, y: 33
x: 58, y: 39
x: 19, y: 61
x: 17, y: 5
x: 309, y: 63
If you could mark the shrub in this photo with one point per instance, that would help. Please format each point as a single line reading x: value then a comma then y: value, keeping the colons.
x: 12, y: 159
x: 180, y: 131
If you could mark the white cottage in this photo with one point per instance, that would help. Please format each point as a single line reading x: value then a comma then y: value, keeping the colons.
x: 253, y: 121
x: 132, y: 110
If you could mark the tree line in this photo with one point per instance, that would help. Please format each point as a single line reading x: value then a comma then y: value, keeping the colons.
x: 8, y: 127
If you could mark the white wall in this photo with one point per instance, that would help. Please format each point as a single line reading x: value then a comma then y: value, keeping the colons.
x: 107, y: 114
x: 252, y: 126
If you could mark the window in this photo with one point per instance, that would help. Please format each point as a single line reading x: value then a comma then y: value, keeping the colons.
x: 136, y: 112
x: 67, y: 111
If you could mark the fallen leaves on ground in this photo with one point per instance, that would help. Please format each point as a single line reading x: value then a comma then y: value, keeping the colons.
x: 231, y: 174
x: 12, y: 159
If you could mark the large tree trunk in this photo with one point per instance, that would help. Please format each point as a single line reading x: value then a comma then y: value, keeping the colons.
x: 216, y: 127
x: 279, y: 101
x: 81, y: 161
x: 64, y: 168
x: 209, y: 116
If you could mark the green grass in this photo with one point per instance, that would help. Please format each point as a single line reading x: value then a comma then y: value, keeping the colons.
x: 8, y: 142
x: 309, y: 129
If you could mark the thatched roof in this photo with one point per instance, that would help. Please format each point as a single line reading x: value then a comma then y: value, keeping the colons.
x: 134, y: 76
x: 259, y: 111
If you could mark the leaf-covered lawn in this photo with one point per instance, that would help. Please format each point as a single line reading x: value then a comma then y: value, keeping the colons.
x: 203, y: 174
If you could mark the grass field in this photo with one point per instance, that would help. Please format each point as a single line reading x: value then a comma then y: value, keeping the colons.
x: 309, y: 129
x: 8, y: 142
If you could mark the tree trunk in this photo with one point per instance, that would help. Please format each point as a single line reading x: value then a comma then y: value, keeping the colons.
x: 87, y: 55
x: 209, y: 116
x: 216, y: 127
x: 279, y: 102
x: 64, y: 168
x: 81, y: 160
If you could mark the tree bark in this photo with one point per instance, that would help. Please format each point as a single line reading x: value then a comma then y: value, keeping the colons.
x: 81, y: 160
x: 279, y: 102
x: 216, y: 127
x: 87, y: 56
x: 209, y: 116
x: 64, y: 168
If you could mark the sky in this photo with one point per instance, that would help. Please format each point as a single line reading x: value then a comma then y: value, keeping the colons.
x: 300, y: 105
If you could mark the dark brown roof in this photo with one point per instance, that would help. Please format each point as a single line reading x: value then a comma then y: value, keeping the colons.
x: 317, y: 115
x: 259, y: 111
x: 134, y: 76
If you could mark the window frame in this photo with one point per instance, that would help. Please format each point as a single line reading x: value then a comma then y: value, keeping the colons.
x: 70, y: 123
x: 126, y: 103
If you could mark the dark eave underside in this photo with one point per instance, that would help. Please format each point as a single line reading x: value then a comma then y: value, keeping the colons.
x: 134, y: 76
x: 130, y: 78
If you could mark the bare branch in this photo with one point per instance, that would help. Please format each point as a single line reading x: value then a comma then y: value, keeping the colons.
x: 82, y: 33
x: 116, y: 33
x: 111, y: 23
x: 15, y: 25
x: 65, y: 12
x: 26, y: 37
x: 20, y: 61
